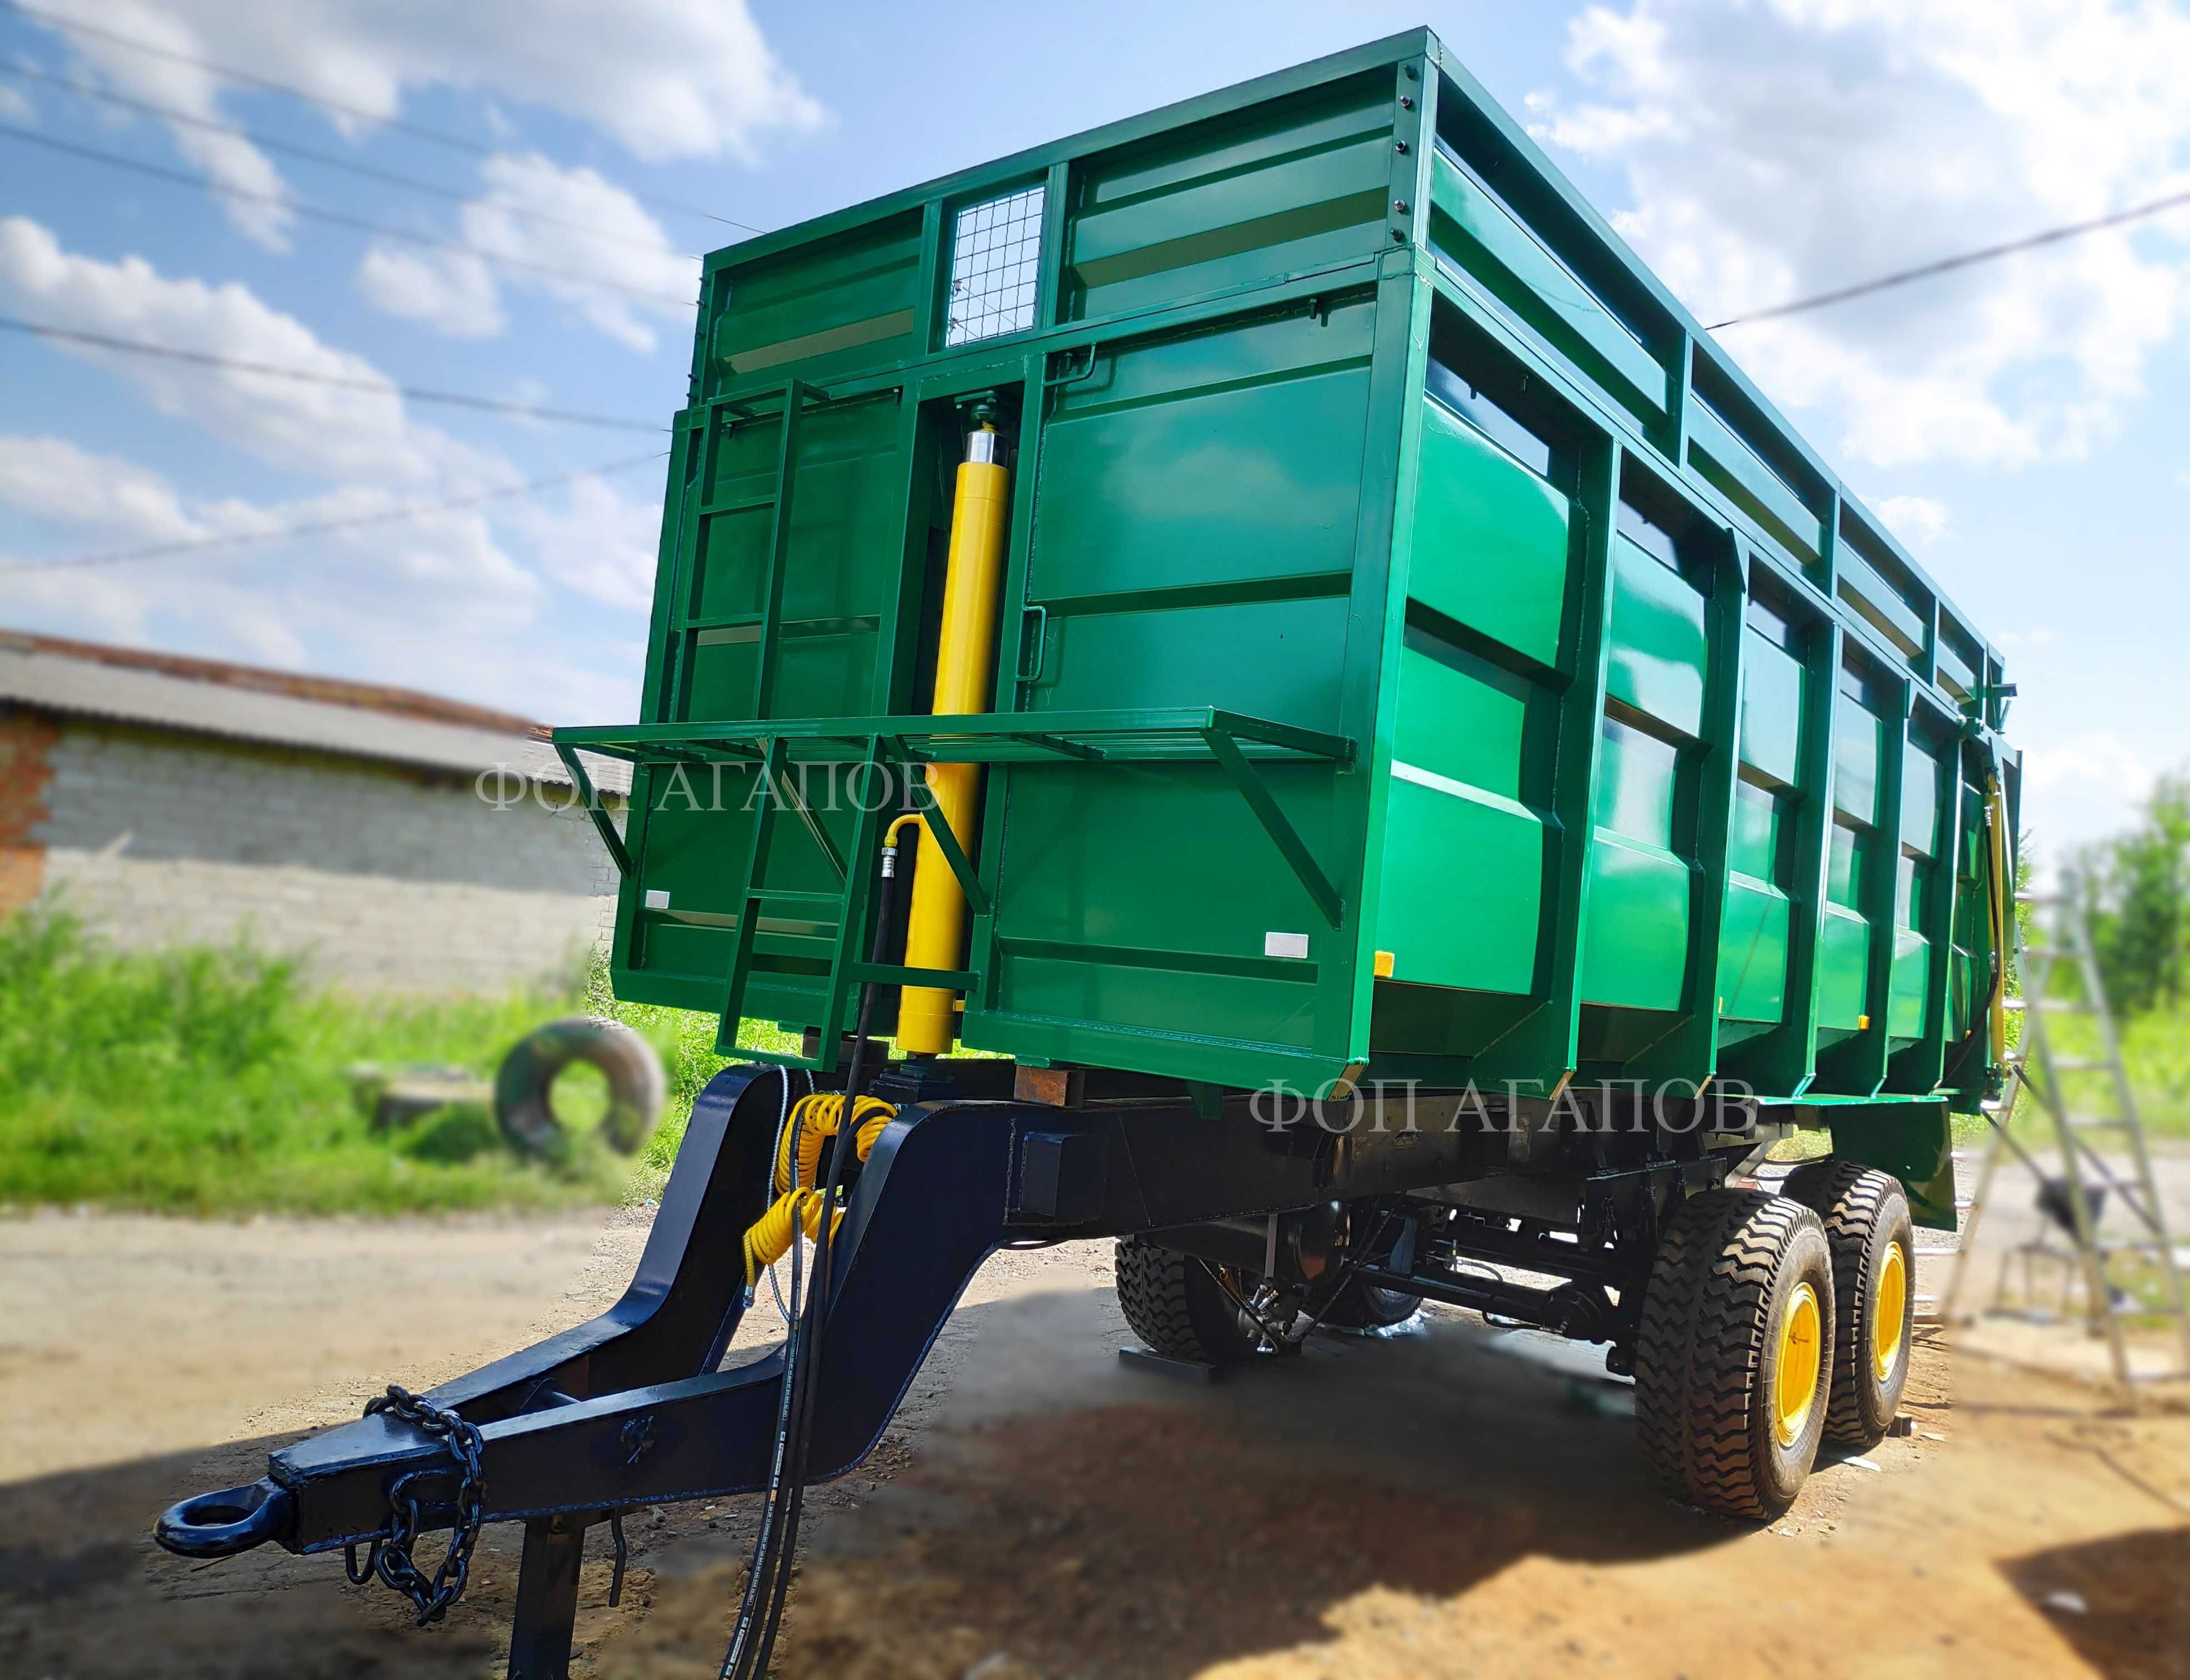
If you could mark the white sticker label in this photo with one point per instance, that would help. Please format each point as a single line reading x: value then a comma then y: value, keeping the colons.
x: 1285, y: 945
x: 657, y: 898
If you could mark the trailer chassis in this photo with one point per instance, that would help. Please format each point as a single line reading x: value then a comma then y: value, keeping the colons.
x: 630, y: 1408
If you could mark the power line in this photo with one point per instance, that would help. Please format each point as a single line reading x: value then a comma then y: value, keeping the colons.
x: 312, y: 155
x: 321, y: 527
x: 274, y: 370
x: 396, y: 125
x: 221, y: 190
x: 1968, y: 258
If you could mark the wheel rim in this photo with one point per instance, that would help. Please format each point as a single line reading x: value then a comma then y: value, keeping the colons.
x: 1889, y: 1308
x: 1801, y: 1347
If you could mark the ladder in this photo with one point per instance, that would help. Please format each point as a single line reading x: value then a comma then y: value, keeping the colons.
x: 2088, y: 1182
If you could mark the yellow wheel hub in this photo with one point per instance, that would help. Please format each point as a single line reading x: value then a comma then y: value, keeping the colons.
x: 1889, y: 1310
x: 1801, y: 1357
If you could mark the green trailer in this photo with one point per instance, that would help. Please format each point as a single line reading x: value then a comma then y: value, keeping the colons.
x: 1416, y: 768
x: 1423, y: 661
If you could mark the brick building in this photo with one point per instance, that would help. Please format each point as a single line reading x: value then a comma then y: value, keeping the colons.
x: 164, y: 800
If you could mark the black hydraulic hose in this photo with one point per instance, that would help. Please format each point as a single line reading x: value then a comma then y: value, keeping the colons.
x: 752, y: 1641
x: 755, y: 1569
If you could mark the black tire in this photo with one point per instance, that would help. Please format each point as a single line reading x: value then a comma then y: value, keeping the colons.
x: 1367, y: 1306
x: 637, y: 1085
x: 1866, y: 1218
x: 1176, y: 1306
x: 1730, y: 1269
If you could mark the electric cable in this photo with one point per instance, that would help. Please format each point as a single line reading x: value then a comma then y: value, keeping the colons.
x: 115, y: 160
x: 275, y: 370
x: 394, y: 125
x: 330, y: 160
x: 321, y: 527
x: 1966, y: 260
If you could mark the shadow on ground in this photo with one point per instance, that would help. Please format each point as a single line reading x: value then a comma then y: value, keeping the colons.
x: 2129, y: 1611
x: 1090, y: 1521
x: 1095, y: 1522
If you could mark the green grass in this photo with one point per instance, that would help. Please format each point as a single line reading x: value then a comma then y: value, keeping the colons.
x: 213, y: 1081
x: 2157, y: 1048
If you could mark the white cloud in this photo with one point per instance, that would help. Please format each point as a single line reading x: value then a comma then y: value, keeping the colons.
x: 14, y: 106
x: 51, y: 478
x: 552, y: 222
x: 1779, y: 149
x: 598, y: 544
x: 230, y: 158
x: 2099, y: 761
x: 1917, y: 520
x: 324, y: 430
x: 436, y: 600
x: 596, y: 229
x: 449, y: 292
x: 665, y: 79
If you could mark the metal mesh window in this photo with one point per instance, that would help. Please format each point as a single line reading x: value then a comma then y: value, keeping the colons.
x: 995, y: 259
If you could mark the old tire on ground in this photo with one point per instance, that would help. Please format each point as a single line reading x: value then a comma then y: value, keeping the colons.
x: 1874, y: 1254
x: 1730, y: 1363
x: 1176, y: 1306
x: 636, y: 1087
x: 1367, y: 1306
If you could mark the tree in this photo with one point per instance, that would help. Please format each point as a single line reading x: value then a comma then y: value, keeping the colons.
x: 2139, y: 884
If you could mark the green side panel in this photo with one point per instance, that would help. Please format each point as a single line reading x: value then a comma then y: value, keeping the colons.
x: 1464, y: 849
x: 1859, y: 584
x: 1227, y: 466
x: 1491, y: 542
x: 1858, y: 738
x: 1462, y: 897
x: 1771, y: 709
x: 1924, y: 806
x: 1924, y: 789
x: 850, y: 302
x: 1729, y: 466
x: 848, y: 484
x: 1844, y: 937
x: 1659, y: 649
x: 1295, y: 184
x: 1754, y: 941
x: 1968, y: 970
x: 1472, y: 231
x: 1192, y: 543
x: 1636, y: 941
x: 1912, y: 970
x: 1754, y: 836
x: 1855, y: 847
x: 1752, y: 953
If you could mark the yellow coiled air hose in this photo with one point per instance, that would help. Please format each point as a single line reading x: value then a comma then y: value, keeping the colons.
x: 814, y: 1121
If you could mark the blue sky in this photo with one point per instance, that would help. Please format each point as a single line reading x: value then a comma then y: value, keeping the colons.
x: 2025, y: 427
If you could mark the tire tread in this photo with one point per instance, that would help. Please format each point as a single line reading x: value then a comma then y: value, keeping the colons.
x: 1851, y: 1200
x: 1699, y: 1349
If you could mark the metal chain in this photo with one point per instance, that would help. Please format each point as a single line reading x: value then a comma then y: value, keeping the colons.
x: 389, y: 1557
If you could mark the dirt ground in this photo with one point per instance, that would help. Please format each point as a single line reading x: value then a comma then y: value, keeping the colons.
x: 1447, y: 1502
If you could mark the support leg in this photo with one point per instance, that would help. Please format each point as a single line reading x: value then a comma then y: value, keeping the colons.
x: 547, y: 1599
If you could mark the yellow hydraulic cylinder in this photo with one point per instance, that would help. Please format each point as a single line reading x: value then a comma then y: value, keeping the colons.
x: 965, y: 661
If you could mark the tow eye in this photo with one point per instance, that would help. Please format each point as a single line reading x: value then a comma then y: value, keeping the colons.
x: 221, y: 1524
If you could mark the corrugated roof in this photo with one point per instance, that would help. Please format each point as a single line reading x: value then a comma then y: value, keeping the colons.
x: 275, y: 708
